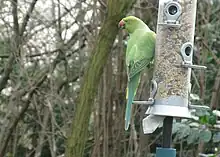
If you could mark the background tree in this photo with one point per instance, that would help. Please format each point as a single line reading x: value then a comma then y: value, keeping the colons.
x: 98, y: 59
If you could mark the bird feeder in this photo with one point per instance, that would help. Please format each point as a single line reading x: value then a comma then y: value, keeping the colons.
x: 173, y: 58
x: 172, y: 69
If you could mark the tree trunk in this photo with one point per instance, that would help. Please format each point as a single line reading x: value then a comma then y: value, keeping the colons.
x: 116, y: 9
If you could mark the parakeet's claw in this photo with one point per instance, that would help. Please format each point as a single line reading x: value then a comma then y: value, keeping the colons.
x: 152, y: 62
x: 154, y: 88
x: 150, y: 65
x: 151, y: 101
x: 125, y: 42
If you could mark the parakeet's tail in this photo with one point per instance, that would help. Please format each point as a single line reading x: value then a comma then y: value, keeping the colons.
x: 131, y: 92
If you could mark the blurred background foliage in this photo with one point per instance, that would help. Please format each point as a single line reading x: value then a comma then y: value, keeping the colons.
x: 44, y: 49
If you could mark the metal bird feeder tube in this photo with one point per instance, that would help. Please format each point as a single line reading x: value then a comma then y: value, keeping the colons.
x: 173, y: 63
x: 172, y: 67
x: 173, y: 58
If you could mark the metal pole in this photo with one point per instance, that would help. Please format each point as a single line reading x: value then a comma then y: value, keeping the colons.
x: 166, y: 150
x: 167, y: 132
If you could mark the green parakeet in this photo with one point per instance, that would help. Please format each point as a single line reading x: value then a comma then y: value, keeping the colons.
x: 139, y: 54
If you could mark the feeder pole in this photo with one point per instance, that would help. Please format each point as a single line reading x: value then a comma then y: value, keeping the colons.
x: 167, y: 132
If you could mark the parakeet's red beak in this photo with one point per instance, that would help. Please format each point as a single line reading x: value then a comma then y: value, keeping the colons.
x: 121, y: 24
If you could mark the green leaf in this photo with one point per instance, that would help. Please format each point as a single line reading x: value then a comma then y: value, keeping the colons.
x: 203, y: 119
x: 216, y: 137
x: 194, y: 97
x: 176, y: 127
x: 216, y: 113
x: 194, y: 124
x: 212, y: 119
x: 181, y: 130
x: 205, y: 135
x: 201, y: 112
x: 193, y: 136
x: 209, y: 59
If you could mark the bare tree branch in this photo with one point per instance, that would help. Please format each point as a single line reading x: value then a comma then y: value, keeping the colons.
x: 8, y: 68
x: 217, y: 60
x: 17, y: 118
x: 79, y: 132
x: 32, y: 89
x: 215, y: 91
x: 7, y: 71
x: 42, y: 132
x: 15, y: 17
x: 27, y: 17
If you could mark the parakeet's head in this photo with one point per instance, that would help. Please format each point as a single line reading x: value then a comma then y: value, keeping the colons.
x: 131, y: 23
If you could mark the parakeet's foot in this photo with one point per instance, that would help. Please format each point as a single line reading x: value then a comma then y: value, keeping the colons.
x: 150, y: 65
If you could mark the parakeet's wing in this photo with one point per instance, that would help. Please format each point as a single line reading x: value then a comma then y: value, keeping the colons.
x: 138, y: 66
x: 138, y: 56
x: 141, y: 53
